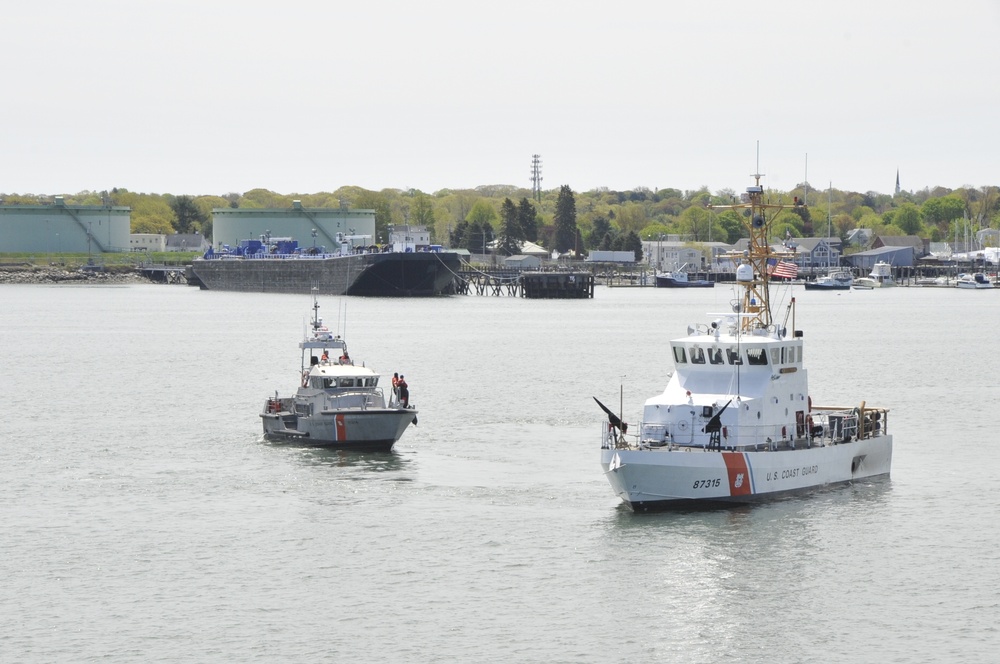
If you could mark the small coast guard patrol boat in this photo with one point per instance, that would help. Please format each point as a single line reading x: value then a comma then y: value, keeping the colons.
x: 339, y: 404
x: 736, y: 422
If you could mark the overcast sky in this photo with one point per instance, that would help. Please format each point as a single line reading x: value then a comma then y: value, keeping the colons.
x: 217, y: 96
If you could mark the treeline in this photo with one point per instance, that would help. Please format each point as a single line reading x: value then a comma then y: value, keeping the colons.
x: 564, y: 220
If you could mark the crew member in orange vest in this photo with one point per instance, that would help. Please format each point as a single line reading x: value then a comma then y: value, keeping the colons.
x: 404, y: 392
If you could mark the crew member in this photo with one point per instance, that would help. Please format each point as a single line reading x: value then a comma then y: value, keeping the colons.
x: 404, y: 392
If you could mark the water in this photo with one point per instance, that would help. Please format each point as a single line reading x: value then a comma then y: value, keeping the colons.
x: 144, y: 519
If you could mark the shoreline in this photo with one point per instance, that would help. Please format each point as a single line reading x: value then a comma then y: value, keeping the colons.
x: 50, y: 274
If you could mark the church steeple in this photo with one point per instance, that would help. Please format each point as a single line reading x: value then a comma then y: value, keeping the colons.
x: 897, y: 182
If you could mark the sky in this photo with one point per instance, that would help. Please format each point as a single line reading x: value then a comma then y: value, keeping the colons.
x: 216, y: 96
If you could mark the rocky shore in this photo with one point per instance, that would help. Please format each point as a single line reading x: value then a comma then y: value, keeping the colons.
x: 57, y: 274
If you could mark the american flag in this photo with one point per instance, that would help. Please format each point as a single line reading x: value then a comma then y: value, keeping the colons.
x: 783, y: 269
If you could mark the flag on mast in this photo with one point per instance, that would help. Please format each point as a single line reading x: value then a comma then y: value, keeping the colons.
x: 783, y: 269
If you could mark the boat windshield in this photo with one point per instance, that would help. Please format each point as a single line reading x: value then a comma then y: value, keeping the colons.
x: 349, y: 381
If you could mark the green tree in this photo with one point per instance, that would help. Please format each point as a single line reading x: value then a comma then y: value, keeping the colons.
x: 422, y: 211
x: 262, y: 198
x: 482, y: 212
x: 696, y: 222
x: 370, y: 200
x: 151, y: 214
x: 456, y: 239
x: 189, y: 217
x: 565, y: 220
x: 942, y: 210
x: 908, y: 219
x: 632, y: 217
x: 478, y: 237
x: 527, y: 217
x: 601, y: 227
x: 732, y: 226
x: 634, y: 244
x: 511, y: 235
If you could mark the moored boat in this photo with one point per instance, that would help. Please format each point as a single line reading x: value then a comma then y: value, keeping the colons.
x: 834, y: 280
x: 865, y: 283
x: 339, y: 404
x: 736, y: 422
x: 881, y: 275
x: 679, y: 279
x: 976, y: 280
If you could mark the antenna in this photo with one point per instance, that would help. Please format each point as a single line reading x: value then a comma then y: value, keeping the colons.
x: 805, y: 195
x: 758, y: 174
x: 536, y: 177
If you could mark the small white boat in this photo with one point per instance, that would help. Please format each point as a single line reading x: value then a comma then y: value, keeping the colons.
x: 865, y: 283
x: 975, y: 280
x: 882, y: 275
x: 935, y: 282
x: 339, y: 404
x: 736, y: 422
x: 679, y: 279
x: 835, y: 280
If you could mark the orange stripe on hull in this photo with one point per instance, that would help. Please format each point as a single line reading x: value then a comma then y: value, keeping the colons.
x: 739, y: 474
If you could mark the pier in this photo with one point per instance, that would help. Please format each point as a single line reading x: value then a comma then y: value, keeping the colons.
x: 164, y: 274
x: 532, y: 285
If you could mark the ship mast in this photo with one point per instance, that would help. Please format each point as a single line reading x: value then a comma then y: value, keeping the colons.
x: 753, y: 273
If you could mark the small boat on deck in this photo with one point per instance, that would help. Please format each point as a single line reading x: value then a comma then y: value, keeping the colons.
x: 679, y: 279
x: 834, y: 280
x: 736, y: 422
x: 339, y: 404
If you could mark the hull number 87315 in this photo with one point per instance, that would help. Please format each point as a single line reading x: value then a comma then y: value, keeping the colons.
x: 707, y: 484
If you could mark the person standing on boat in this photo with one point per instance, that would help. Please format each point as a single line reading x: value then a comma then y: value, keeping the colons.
x: 404, y: 392
x: 325, y: 358
x: 395, y: 386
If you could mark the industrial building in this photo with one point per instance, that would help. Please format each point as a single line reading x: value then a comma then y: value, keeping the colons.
x: 62, y: 228
x: 319, y: 227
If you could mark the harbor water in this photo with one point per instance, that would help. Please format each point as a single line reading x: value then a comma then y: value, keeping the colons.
x: 144, y: 519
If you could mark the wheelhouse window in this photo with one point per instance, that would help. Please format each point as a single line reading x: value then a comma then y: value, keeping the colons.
x: 679, y: 356
x: 734, y: 355
x: 697, y: 355
x: 756, y: 357
x: 715, y: 356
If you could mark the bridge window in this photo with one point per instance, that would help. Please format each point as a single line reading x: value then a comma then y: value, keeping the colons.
x: 679, y: 356
x: 734, y: 355
x: 715, y: 355
x: 697, y: 355
x: 756, y: 356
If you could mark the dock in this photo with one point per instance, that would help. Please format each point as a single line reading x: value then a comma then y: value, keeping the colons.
x: 531, y: 285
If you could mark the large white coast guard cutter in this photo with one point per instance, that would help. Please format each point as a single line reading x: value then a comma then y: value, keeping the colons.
x: 736, y: 422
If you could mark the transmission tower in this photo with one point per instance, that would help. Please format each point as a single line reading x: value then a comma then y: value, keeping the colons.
x: 536, y: 177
